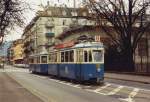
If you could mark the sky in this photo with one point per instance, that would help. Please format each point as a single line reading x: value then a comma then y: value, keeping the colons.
x: 29, y: 15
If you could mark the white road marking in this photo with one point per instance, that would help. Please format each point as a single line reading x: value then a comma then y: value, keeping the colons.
x: 131, y: 95
x: 88, y: 86
x: 142, y: 89
x: 115, y: 90
x: 101, y: 88
x: 68, y: 83
x: 77, y: 86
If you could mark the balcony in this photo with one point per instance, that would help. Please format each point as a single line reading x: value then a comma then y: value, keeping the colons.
x: 50, y: 34
x: 49, y: 25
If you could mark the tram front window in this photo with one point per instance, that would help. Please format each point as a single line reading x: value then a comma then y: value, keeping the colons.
x: 98, y: 55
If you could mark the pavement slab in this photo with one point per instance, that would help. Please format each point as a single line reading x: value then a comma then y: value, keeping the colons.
x: 128, y: 77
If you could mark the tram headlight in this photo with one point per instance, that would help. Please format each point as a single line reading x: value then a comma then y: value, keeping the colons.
x: 98, y: 69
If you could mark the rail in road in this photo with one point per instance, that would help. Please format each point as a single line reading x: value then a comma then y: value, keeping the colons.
x: 121, y: 93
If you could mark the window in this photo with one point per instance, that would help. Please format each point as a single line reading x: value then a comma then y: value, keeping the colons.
x: 64, y: 22
x: 66, y: 56
x: 79, y: 56
x: 49, y: 57
x: 53, y: 57
x: 90, y: 56
x: 35, y: 59
x: 71, y: 56
x: 38, y: 59
x: 62, y: 57
x: 98, y: 55
x: 49, y: 29
x: 43, y: 59
x: 85, y: 56
x: 31, y: 60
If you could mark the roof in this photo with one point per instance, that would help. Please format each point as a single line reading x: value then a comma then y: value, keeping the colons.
x: 89, y: 44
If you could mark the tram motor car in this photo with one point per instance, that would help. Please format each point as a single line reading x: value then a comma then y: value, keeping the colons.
x: 80, y: 62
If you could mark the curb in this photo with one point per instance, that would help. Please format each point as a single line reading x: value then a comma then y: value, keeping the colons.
x: 128, y: 80
x: 31, y: 90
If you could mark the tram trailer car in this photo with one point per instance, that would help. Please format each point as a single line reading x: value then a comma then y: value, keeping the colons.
x: 81, y: 62
x: 40, y: 66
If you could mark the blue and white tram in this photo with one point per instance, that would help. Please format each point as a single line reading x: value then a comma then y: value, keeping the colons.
x: 81, y: 62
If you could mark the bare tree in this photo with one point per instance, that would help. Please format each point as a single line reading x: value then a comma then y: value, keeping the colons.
x: 11, y: 15
x: 127, y: 19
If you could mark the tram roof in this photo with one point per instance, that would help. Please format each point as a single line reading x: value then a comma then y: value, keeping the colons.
x: 89, y: 44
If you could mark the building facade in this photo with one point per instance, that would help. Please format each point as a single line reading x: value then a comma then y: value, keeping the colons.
x: 15, y: 52
x: 40, y: 34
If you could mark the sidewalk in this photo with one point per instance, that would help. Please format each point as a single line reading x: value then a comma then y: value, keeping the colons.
x: 11, y: 91
x: 127, y: 77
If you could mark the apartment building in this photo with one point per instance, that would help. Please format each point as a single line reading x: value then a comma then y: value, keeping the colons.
x: 40, y: 34
x: 15, y: 52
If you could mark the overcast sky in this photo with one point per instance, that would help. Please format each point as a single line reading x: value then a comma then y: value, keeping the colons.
x: 35, y: 4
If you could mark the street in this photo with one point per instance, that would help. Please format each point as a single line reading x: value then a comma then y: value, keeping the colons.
x: 51, y: 89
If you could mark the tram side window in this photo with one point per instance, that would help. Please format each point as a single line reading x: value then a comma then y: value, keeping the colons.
x: 35, y: 59
x: 79, y: 55
x: 44, y: 59
x: 71, y: 56
x: 49, y: 58
x: 55, y: 57
x: 90, y: 56
x: 66, y: 56
x: 31, y: 60
x: 58, y: 57
x: 38, y: 59
x: 85, y: 56
x: 62, y: 56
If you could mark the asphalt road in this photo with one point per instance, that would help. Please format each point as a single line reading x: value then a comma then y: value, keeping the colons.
x: 54, y: 90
